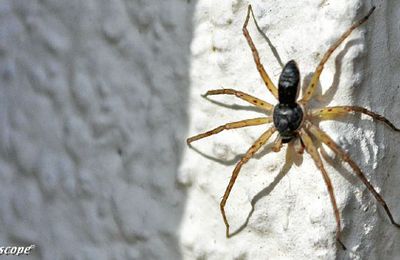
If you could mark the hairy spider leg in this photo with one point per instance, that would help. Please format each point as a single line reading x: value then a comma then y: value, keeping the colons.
x: 246, y: 97
x: 233, y: 125
x: 252, y: 150
x: 333, y: 112
x: 277, y: 144
x: 315, y: 78
x: 323, y: 137
x: 312, y: 150
x: 268, y: 82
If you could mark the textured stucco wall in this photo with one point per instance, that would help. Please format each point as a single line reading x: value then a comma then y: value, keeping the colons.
x: 95, y: 99
x: 375, y: 237
x: 93, y: 113
x: 292, y: 216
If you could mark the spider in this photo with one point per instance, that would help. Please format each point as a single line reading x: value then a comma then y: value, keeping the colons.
x: 292, y: 120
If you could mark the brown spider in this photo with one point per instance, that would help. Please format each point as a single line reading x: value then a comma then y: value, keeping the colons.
x: 293, y: 121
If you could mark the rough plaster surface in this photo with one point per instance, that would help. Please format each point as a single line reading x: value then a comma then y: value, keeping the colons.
x: 93, y: 113
x: 94, y: 102
x: 292, y: 217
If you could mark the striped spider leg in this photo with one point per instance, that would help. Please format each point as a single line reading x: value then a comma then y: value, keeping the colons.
x: 337, y: 111
x: 312, y: 150
x: 239, y: 124
x: 315, y: 78
x: 267, y: 80
x: 332, y: 113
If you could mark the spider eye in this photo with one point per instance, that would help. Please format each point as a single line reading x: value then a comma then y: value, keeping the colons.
x: 289, y: 83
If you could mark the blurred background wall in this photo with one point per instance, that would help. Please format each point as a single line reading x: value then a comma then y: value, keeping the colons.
x: 93, y: 111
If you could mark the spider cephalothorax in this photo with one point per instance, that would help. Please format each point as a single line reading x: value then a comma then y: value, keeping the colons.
x: 293, y: 125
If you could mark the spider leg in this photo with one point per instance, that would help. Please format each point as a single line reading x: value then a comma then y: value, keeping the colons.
x: 270, y: 85
x: 233, y: 125
x: 246, y: 97
x: 345, y: 157
x: 277, y: 144
x: 333, y: 112
x: 298, y: 146
x: 310, y: 148
x: 315, y: 78
x: 250, y: 152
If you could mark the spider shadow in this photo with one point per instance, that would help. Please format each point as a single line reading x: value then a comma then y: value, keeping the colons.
x: 336, y: 161
x: 271, y: 46
x: 338, y: 165
x: 291, y: 158
x: 235, y: 106
x: 265, y: 150
x: 327, y: 97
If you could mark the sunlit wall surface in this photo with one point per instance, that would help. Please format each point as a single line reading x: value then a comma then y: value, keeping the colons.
x: 279, y: 207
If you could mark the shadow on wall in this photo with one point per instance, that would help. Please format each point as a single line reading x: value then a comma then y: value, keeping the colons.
x: 94, y: 115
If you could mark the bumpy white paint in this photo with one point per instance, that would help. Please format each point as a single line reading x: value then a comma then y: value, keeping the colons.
x: 293, y: 218
x: 94, y: 105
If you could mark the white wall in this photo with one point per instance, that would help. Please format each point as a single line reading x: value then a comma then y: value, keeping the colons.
x: 95, y: 100
x: 293, y: 216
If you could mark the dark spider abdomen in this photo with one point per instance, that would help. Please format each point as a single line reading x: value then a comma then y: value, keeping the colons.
x: 287, y: 119
x: 288, y: 84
